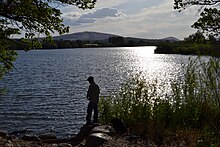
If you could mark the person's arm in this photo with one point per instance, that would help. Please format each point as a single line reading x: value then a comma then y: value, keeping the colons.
x: 88, y: 92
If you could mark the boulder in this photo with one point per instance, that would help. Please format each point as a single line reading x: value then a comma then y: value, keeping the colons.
x: 27, y: 137
x: 97, y: 139
x: 102, y: 129
x: 3, y: 134
x: 9, y: 144
x: 64, y: 145
x: 84, y: 132
x: 19, y: 133
x: 47, y: 136
x: 118, y: 125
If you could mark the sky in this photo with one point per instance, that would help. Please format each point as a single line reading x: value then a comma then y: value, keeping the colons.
x: 149, y: 19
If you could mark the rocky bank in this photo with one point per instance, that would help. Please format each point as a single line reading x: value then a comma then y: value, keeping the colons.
x: 93, y: 135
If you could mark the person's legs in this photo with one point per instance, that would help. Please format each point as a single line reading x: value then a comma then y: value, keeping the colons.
x: 89, y: 113
x: 95, y: 116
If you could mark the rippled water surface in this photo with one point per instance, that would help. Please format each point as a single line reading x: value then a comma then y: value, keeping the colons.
x: 47, y: 91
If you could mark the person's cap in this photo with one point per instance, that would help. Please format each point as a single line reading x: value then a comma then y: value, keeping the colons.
x: 90, y: 78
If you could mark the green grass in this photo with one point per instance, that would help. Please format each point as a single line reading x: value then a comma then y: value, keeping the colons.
x: 193, y: 103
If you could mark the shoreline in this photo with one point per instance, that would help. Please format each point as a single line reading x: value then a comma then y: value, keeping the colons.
x: 109, y: 137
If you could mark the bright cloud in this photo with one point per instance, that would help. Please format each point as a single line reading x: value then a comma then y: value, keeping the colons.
x: 147, y: 19
x: 76, y: 19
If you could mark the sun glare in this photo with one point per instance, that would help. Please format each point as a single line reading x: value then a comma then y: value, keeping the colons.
x: 145, y: 51
x: 145, y: 60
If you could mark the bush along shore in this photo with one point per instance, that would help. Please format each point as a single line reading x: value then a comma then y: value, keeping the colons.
x: 208, y: 48
x: 185, y: 110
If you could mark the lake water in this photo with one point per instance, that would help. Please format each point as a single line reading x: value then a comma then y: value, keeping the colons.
x: 47, y: 91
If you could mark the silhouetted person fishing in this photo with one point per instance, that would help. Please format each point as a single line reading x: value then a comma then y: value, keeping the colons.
x: 93, y: 97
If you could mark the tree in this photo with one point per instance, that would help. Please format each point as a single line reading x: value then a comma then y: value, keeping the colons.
x: 212, y: 38
x: 182, y: 4
x: 196, y: 38
x: 116, y: 40
x: 209, y: 22
x: 34, y: 18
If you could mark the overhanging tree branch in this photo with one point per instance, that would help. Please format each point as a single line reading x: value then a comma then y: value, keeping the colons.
x: 34, y: 17
x: 182, y: 4
x: 209, y: 22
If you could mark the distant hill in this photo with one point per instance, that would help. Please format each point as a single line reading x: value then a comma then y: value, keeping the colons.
x: 97, y: 36
x: 172, y: 39
x: 104, y: 38
x: 92, y: 36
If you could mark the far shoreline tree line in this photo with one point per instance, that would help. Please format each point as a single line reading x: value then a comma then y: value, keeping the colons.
x: 195, y: 44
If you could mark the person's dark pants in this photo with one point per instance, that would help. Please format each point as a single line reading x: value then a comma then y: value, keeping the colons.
x: 92, y: 106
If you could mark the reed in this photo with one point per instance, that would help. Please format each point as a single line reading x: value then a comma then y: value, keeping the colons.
x: 147, y: 109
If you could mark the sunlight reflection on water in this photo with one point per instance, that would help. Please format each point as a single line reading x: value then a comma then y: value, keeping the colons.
x: 155, y: 66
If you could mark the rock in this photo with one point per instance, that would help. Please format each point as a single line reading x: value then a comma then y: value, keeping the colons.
x: 84, y: 132
x: 133, y: 137
x: 19, y: 133
x: 97, y: 139
x: 9, y: 144
x: 31, y: 138
x: 102, y: 129
x: 47, y: 136
x: 3, y: 134
x: 12, y: 137
x: 64, y: 145
x: 118, y: 125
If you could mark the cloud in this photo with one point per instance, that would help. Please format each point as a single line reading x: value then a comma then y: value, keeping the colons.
x: 103, y: 13
x: 159, y: 21
x: 111, y: 3
x: 156, y: 19
x: 77, y: 19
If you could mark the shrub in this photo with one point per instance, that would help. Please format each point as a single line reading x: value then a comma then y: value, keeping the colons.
x: 192, y: 103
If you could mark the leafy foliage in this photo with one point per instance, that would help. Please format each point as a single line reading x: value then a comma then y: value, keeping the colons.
x: 182, y: 4
x: 209, y: 21
x: 34, y: 18
x: 210, y: 17
x: 196, y: 38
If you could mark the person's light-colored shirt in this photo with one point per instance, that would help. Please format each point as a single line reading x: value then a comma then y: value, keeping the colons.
x: 93, y: 93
